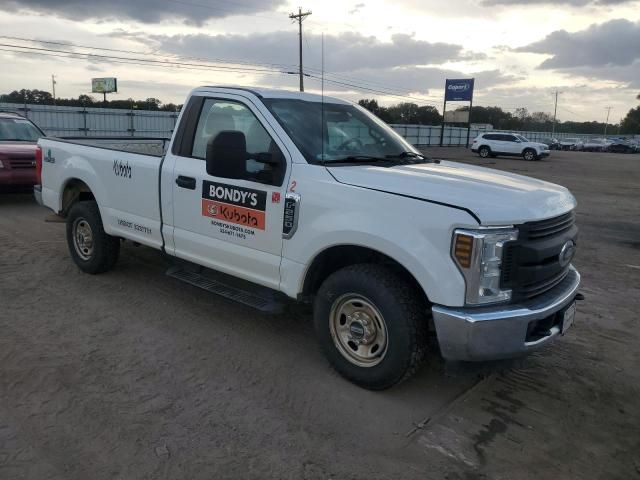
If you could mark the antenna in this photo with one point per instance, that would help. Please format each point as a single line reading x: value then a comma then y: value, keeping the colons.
x: 322, y: 94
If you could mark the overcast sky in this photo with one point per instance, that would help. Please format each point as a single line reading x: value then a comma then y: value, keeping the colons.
x: 519, y: 51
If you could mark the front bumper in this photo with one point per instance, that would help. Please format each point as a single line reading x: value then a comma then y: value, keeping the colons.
x: 18, y: 177
x: 492, y: 333
x: 544, y: 153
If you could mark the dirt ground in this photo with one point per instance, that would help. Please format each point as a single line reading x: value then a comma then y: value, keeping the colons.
x: 133, y: 375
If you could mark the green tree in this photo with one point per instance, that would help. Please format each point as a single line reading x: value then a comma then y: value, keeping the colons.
x: 631, y: 123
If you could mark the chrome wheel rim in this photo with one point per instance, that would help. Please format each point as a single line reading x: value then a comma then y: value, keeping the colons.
x: 82, y: 238
x: 484, y: 153
x: 528, y: 155
x: 358, y: 330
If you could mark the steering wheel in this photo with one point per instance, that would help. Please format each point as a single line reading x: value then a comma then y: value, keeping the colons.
x: 355, y: 141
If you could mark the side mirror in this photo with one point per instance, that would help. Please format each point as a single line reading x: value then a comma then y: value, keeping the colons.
x: 227, y: 155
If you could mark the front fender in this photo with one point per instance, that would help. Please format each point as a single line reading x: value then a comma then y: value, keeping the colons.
x: 414, y: 233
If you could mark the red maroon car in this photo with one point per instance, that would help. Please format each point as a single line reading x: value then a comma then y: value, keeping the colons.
x: 18, y: 137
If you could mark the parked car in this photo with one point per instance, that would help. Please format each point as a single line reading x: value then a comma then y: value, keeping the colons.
x: 508, y: 144
x: 622, y: 146
x: 385, y: 243
x: 596, y: 145
x: 552, y: 143
x: 571, y: 144
x: 18, y: 137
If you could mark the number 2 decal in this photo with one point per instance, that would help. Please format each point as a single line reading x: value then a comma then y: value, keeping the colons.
x: 292, y: 186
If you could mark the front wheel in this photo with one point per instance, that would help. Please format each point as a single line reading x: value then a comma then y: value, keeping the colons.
x: 371, y: 325
x: 530, y: 154
x: 92, y: 250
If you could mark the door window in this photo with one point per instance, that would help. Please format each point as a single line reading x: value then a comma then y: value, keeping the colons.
x: 224, y: 115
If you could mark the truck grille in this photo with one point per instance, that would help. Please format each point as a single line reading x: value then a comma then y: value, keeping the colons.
x: 549, y: 228
x: 531, y: 264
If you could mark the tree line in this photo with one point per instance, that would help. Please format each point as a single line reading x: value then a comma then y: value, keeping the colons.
x: 519, y: 119
x: 402, y: 113
x: 42, y: 97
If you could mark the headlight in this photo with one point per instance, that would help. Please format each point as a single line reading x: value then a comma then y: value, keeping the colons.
x: 478, y: 253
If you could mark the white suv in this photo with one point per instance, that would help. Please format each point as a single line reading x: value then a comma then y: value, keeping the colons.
x: 494, y: 144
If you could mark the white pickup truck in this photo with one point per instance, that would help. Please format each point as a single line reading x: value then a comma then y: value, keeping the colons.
x: 270, y: 196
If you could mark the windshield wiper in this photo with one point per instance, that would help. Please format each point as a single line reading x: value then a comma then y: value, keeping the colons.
x: 410, y: 157
x: 357, y: 159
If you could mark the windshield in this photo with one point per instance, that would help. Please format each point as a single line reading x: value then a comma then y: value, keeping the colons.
x: 521, y: 138
x: 337, y: 132
x: 18, y: 130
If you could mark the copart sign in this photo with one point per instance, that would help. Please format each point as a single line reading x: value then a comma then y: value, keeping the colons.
x: 458, y: 90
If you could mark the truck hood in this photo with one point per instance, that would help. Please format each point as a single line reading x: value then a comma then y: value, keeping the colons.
x: 494, y: 197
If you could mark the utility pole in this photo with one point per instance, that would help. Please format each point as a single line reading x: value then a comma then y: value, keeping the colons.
x: 607, y: 121
x: 53, y: 87
x: 300, y: 16
x: 555, y: 110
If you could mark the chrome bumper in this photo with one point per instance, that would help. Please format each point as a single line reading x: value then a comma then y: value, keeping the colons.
x: 491, y: 333
x: 37, y: 194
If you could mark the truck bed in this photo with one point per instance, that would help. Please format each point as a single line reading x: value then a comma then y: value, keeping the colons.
x: 121, y: 173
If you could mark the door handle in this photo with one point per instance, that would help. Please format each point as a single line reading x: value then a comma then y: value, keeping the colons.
x: 186, y: 182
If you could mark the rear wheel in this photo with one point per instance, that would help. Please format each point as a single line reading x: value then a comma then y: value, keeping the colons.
x: 484, y: 151
x: 371, y: 325
x: 92, y: 250
x: 530, y: 154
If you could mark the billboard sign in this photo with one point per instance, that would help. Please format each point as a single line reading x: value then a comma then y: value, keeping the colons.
x: 458, y: 90
x: 104, y: 85
x: 456, y: 116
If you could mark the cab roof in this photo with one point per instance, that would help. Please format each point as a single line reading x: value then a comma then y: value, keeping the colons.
x: 273, y: 93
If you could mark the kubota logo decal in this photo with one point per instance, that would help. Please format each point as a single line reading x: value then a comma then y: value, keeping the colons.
x: 121, y: 169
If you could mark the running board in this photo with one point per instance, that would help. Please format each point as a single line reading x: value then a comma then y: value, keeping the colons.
x: 260, y: 298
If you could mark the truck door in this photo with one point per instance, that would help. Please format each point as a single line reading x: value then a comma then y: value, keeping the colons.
x: 233, y: 225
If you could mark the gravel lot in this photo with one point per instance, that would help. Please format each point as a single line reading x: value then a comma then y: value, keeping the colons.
x: 132, y: 375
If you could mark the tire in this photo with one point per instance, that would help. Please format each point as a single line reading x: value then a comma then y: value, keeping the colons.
x: 369, y: 300
x: 92, y: 250
x: 484, y: 151
x: 530, y: 154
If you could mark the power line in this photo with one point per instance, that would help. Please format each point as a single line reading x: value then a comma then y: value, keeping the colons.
x: 148, y: 52
x: 372, y: 86
x: 145, y: 60
x: 360, y: 87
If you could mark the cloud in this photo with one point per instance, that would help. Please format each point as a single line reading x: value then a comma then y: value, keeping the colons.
x: 343, y: 52
x: 616, y: 42
x: 356, y: 8
x: 145, y: 11
x: 573, y: 3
